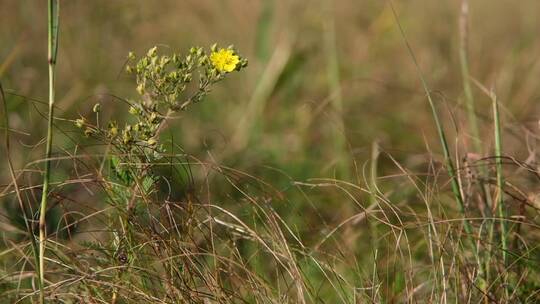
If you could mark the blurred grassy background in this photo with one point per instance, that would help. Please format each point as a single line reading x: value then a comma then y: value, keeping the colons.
x: 326, y: 80
x: 322, y: 74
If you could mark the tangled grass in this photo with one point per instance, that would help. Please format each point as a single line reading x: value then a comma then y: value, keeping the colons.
x: 132, y: 216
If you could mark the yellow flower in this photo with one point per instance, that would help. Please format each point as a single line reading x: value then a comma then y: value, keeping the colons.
x: 224, y: 60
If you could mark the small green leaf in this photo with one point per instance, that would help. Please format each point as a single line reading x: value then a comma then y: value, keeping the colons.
x: 147, y: 183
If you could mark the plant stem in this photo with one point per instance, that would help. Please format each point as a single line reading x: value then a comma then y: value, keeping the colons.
x: 444, y: 143
x: 500, y: 181
x: 52, y: 37
x: 464, y: 63
x: 473, y: 121
x: 333, y: 77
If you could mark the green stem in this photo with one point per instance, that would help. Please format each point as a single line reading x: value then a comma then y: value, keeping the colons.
x: 500, y: 181
x: 334, y: 86
x: 444, y: 143
x: 464, y: 63
x: 473, y: 121
x: 51, y: 50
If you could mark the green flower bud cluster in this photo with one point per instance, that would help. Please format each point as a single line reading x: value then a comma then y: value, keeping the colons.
x: 142, y: 132
x: 166, y: 85
x: 164, y: 79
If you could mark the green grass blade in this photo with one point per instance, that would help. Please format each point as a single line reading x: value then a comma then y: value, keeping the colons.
x: 334, y: 86
x: 464, y: 64
x: 500, y: 182
x: 444, y: 143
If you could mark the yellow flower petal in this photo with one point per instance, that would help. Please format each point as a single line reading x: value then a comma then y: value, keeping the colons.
x: 224, y: 60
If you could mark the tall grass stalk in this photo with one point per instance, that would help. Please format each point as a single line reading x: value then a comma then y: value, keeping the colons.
x: 334, y: 85
x: 444, y: 143
x: 52, y: 44
x: 464, y: 63
x: 473, y: 121
x: 500, y: 181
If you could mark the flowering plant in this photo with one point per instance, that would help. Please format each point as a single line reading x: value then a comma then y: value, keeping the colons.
x: 162, y: 81
x: 166, y: 85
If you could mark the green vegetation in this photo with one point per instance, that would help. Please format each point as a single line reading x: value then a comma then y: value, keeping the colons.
x: 377, y: 154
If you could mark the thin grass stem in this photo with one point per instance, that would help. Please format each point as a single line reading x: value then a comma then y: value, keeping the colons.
x: 464, y: 64
x: 444, y: 143
x: 333, y: 79
x: 473, y: 121
x: 24, y: 210
x: 52, y: 40
x: 500, y: 182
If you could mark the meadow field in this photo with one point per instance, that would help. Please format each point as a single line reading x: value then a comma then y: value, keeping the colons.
x: 287, y: 151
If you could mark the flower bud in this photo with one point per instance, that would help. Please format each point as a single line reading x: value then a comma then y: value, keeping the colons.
x: 152, y: 52
x: 113, y: 131
x: 133, y: 110
x: 88, y: 132
x: 151, y: 142
x: 140, y: 89
x: 79, y: 122
x: 153, y: 117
